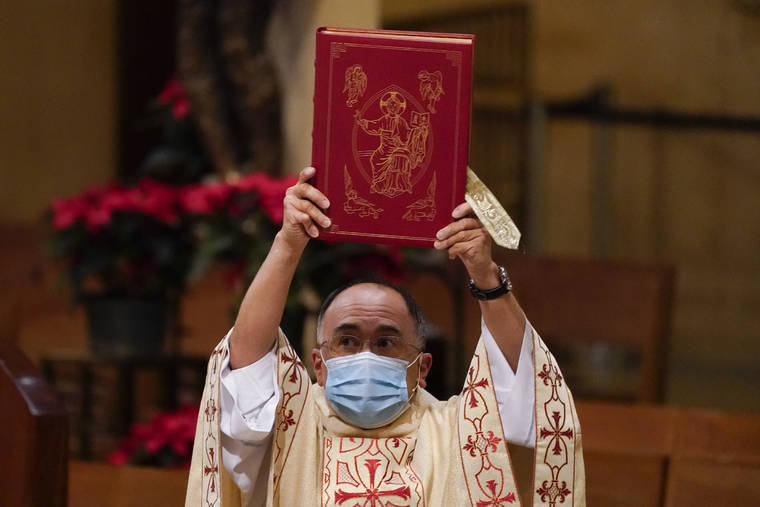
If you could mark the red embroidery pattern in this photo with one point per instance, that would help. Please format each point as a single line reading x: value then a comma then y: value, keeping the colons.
x: 210, y: 464
x: 485, y: 477
x: 494, y: 499
x: 294, y: 385
x: 554, y: 431
x: 371, y: 472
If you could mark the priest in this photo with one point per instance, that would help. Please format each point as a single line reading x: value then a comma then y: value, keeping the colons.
x: 367, y: 432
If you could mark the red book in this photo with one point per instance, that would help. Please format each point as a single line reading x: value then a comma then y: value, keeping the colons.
x: 391, y: 132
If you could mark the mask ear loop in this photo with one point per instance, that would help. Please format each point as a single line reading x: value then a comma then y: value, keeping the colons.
x: 419, y: 372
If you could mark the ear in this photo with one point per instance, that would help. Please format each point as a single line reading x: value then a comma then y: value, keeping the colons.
x: 319, y: 366
x: 426, y: 361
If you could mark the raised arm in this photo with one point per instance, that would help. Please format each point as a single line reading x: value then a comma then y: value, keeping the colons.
x: 467, y: 239
x: 261, y: 310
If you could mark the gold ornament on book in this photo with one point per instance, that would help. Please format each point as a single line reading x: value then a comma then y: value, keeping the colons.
x: 355, y: 204
x: 424, y: 207
x: 431, y: 87
x: 356, y: 84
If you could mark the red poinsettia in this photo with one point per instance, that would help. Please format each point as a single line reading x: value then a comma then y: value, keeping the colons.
x: 207, y: 198
x: 167, y: 440
x: 95, y: 206
x: 271, y: 192
x: 152, y: 237
x: 174, y: 95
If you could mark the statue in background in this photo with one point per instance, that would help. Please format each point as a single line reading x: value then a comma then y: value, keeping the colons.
x: 231, y: 81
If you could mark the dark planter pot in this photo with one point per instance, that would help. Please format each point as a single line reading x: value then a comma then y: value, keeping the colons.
x: 132, y: 327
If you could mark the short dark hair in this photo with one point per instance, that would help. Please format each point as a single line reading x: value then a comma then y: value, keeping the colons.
x: 411, y: 305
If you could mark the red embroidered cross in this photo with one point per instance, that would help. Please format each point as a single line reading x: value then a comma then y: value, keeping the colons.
x: 213, y: 469
x: 555, y: 433
x: 494, y: 500
x: 372, y: 494
x: 472, y: 386
x: 481, y: 442
x: 553, y: 492
x: 550, y: 375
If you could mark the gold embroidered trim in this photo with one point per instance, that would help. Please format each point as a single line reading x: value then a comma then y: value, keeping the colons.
x: 491, y: 213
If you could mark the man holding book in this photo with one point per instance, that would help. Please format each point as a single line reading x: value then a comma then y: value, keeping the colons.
x: 367, y: 433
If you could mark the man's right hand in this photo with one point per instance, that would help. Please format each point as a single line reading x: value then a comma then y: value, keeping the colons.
x: 303, y: 208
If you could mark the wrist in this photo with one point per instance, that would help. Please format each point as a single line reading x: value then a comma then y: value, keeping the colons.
x: 487, y: 293
x: 286, y: 248
x: 486, y: 277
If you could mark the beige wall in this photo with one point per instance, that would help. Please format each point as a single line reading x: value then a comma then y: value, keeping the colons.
x: 679, y: 196
x: 57, y: 101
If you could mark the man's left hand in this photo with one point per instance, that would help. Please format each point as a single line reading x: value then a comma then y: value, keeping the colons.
x: 468, y: 239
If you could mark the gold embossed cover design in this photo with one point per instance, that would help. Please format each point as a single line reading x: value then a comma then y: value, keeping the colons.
x: 391, y: 131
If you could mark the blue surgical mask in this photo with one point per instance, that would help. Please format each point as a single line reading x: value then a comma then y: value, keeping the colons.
x: 367, y: 390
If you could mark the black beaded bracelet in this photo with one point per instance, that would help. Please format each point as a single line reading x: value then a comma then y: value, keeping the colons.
x: 505, y: 285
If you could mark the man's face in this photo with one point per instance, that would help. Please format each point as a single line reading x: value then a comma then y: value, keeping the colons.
x: 368, y: 311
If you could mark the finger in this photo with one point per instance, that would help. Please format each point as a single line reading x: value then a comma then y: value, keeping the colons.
x: 306, y: 174
x: 315, y: 214
x: 462, y: 210
x: 307, y: 191
x: 458, y: 250
x: 304, y: 220
x: 459, y: 237
x: 459, y: 225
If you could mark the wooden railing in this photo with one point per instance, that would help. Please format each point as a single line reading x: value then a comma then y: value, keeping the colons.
x: 34, y: 435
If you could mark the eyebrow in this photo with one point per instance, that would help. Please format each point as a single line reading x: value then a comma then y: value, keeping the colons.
x: 351, y: 326
x: 389, y: 328
x: 347, y: 326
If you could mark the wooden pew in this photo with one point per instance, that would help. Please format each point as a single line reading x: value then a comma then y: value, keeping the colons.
x: 577, y: 303
x: 626, y: 449
x: 655, y: 455
x: 34, y: 436
x: 716, y: 460
x: 98, y: 484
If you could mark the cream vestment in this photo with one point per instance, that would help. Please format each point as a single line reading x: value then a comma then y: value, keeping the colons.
x: 436, y: 453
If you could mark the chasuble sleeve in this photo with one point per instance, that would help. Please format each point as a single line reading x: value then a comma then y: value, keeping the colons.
x: 249, y: 398
x: 514, y: 391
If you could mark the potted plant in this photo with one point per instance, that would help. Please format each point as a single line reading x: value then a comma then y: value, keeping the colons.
x: 125, y: 252
x: 128, y: 252
x: 166, y: 441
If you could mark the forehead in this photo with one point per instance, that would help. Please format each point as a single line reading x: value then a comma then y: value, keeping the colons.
x: 369, y: 306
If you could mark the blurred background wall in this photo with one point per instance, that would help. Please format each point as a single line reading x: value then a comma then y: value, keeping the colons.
x: 57, y: 102
x: 686, y: 196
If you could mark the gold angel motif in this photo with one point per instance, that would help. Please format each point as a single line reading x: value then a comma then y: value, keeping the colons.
x: 356, y: 84
x: 418, y: 137
x: 424, y: 207
x: 431, y: 87
x: 402, y: 148
x: 355, y: 204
